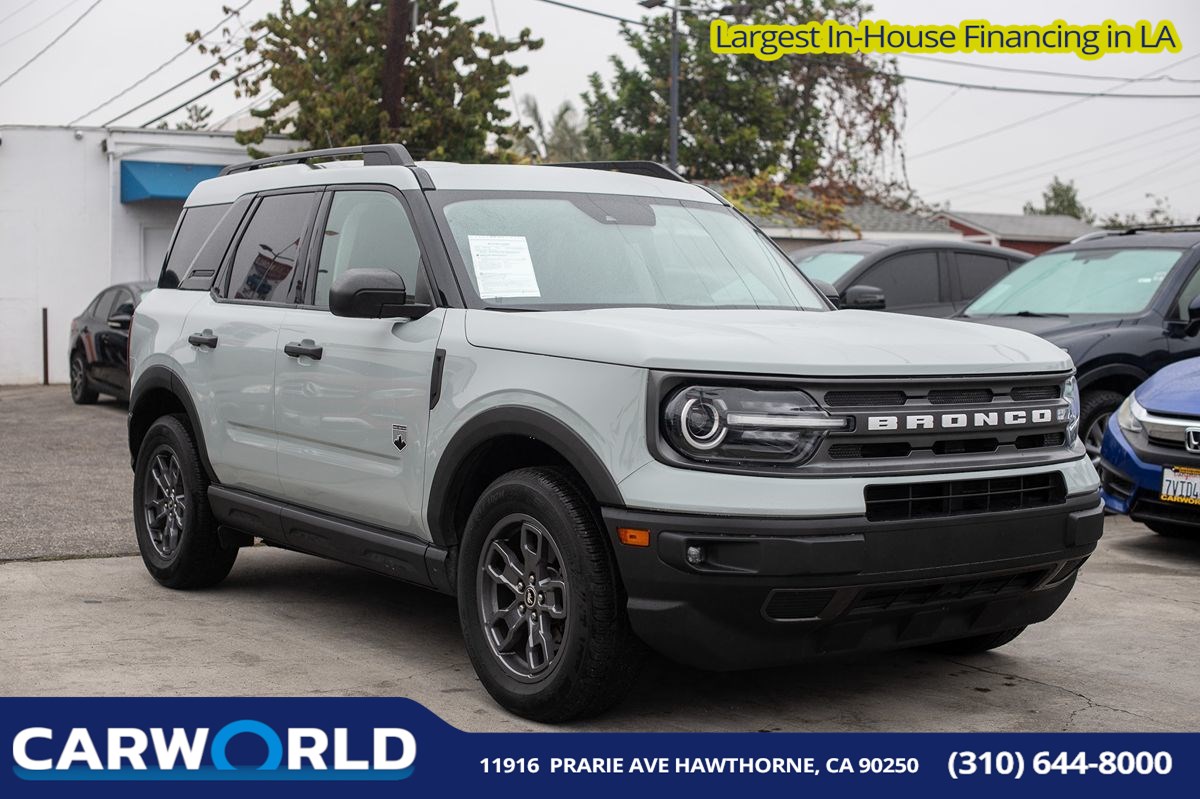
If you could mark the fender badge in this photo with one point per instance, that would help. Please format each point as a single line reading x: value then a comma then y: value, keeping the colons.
x: 399, y: 431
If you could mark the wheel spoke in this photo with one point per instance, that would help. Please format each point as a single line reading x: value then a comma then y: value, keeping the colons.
x: 552, y: 597
x: 509, y: 573
x: 513, y: 621
x: 531, y: 547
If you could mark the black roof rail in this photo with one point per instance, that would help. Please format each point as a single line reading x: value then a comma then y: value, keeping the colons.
x: 372, y: 155
x: 1157, y: 229
x: 649, y: 169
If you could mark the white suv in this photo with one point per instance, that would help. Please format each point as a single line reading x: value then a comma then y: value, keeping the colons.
x: 602, y: 409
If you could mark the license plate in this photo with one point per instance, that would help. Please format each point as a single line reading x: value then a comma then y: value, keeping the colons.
x: 1180, y: 484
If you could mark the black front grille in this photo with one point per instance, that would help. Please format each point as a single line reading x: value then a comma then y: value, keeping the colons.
x: 962, y: 497
x: 788, y: 604
x: 888, y: 449
x: 965, y: 446
x: 1149, y: 508
x: 960, y: 396
x: 1034, y: 393
x: 1043, y: 440
x: 915, y: 596
x: 863, y: 399
x: 1116, y: 485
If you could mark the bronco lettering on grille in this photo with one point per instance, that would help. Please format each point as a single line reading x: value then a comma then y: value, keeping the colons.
x: 976, y: 420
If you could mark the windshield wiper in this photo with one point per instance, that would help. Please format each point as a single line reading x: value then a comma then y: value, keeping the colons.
x: 1031, y: 313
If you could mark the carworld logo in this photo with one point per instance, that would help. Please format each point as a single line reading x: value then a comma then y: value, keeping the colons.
x: 157, y: 753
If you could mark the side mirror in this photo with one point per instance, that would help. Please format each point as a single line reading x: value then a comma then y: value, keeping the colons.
x: 827, y: 289
x: 865, y: 298
x: 120, y: 321
x: 372, y: 294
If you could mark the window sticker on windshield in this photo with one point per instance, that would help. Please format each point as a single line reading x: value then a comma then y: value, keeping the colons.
x: 503, y: 267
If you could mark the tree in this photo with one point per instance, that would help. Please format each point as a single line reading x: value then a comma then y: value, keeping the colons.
x: 197, y: 118
x: 832, y: 118
x: 329, y: 62
x: 562, y: 138
x: 1062, y: 199
x: 1159, y: 213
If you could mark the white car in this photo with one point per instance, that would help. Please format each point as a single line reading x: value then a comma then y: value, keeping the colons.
x: 604, y: 411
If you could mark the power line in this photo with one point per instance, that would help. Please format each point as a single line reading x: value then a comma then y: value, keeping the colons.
x: 160, y: 67
x: 53, y: 42
x: 257, y: 101
x: 1059, y: 160
x: 1040, y: 115
x: 207, y: 91
x: 1045, y: 72
x: 1172, y: 163
x: 188, y: 79
x: 38, y: 24
x: 937, y: 81
x: 13, y: 13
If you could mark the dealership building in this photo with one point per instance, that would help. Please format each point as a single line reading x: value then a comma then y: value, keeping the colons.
x: 81, y: 209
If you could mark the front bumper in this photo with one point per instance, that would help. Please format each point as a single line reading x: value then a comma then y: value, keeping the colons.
x: 1131, y: 479
x: 772, y: 591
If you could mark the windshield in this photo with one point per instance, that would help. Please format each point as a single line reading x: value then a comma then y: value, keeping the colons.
x: 1084, y: 282
x: 827, y: 266
x: 548, y: 250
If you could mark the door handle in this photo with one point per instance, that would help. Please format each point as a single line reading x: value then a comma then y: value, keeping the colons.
x: 300, y: 349
x: 205, y: 339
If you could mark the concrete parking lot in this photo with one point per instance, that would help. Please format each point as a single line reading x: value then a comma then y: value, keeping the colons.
x: 80, y: 616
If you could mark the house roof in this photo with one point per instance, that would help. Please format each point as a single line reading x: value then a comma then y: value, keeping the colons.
x: 866, y: 216
x: 1022, y: 227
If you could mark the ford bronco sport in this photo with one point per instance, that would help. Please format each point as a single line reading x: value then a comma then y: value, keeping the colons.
x: 604, y: 411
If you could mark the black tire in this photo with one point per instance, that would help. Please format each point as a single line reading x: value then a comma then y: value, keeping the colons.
x: 977, y: 643
x: 596, y: 654
x: 1094, y: 409
x: 191, y: 554
x: 82, y: 392
x: 1168, y: 530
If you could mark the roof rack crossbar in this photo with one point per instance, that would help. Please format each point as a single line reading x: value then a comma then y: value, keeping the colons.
x: 1157, y: 228
x: 650, y: 169
x: 372, y: 155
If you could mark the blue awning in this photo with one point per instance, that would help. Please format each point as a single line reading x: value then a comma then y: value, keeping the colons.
x: 151, y: 180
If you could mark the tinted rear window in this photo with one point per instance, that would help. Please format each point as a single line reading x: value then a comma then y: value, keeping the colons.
x: 194, y: 229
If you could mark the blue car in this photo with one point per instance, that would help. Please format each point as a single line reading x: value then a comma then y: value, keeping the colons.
x: 1150, y: 460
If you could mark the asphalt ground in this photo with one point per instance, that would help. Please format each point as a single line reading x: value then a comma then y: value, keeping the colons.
x: 79, y: 616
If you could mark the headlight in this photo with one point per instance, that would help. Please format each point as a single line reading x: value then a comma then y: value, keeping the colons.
x: 1071, y: 394
x: 1130, y: 415
x: 734, y: 425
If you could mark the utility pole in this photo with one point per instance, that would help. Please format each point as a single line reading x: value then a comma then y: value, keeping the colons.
x: 401, y: 22
x: 673, y: 149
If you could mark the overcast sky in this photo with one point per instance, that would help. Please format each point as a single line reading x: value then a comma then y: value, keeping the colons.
x: 1117, y: 151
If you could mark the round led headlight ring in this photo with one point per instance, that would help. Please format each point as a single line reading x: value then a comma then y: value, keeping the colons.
x: 701, y: 425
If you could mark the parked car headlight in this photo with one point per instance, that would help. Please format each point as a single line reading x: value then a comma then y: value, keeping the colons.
x: 1130, y: 415
x: 1071, y: 394
x: 736, y: 425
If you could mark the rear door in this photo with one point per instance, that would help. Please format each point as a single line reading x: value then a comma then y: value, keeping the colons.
x: 94, y: 325
x: 112, y: 340
x: 912, y: 283
x: 233, y: 336
x: 352, y: 422
x: 975, y: 273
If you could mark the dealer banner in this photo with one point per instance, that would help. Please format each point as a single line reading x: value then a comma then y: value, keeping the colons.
x: 389, y: 747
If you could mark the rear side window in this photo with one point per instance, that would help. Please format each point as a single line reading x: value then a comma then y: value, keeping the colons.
x: 910, y: 279
x: 193, y: 230
x: 977, y: 273
x: 264, y: 263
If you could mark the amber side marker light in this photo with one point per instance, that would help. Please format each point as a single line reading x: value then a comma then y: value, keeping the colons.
x: 633, y: 538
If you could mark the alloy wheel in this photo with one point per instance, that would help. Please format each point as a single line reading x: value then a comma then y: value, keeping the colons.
x: 77, y: 377
x: 1093, y: 440
x: 165, y: 504
x: 523, y: 597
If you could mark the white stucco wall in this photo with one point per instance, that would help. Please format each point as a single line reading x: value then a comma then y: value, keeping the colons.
x: 65, y: 235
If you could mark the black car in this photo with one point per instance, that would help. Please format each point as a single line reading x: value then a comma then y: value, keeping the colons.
x: 1123, y: 304
x: 100, y: 343
x: 926, y: 277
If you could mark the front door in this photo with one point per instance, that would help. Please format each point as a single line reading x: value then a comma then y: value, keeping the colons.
x: 352, y: 414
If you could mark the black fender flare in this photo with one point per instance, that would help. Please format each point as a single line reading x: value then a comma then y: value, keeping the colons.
x: 163, y: 377
x: 521, y: 421
x: 1091, y: 376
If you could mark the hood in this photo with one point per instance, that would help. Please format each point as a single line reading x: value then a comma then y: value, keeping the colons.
x: 1173, y: 391
x: 1078, y: 334
x: 834, y: 343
